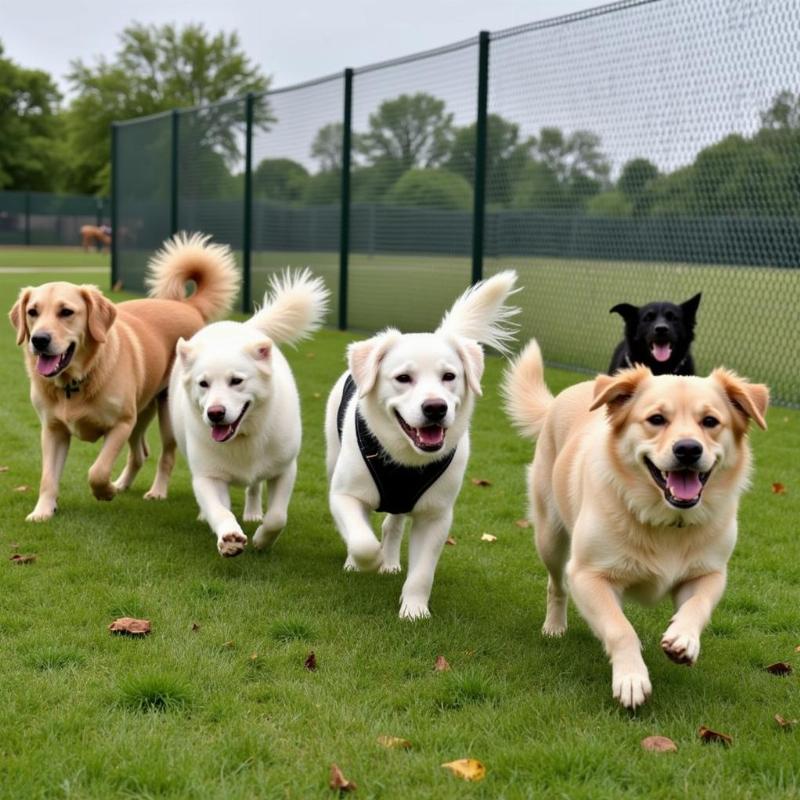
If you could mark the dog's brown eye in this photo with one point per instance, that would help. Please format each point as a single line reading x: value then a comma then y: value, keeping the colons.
x: 203, y: 384
x: 710, y: 422
x: 66, y: 312
x: 657, y: 419
x: 32, y: 312
x: 404, y: 378
x: 236, y: 381
x: 448, y: 376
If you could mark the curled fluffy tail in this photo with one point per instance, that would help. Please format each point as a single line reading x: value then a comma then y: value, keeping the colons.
x: 212, y: 267
x: 527, y: 398
x: 481, y: 312
x: 295, y: 305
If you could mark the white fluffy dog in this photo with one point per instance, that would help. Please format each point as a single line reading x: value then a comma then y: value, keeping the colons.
x: 397, y: 434
x: 236, y: 413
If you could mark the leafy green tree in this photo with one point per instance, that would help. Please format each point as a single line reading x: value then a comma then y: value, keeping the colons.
x: 431, y: 188
x: 634, y: 183
x: 612, y: 203
x: 158, y: 68
x: 280, y: 180
x: 29, y: 128
x: 327, y: 146
x: 539, y: 188
x: 323, y: 189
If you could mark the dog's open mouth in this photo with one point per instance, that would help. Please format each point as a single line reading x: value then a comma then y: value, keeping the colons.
x: 682, y: 487
x: 226, y: 432
x: 661, y: 352
x: 50, y: 366
x: 429, y: 438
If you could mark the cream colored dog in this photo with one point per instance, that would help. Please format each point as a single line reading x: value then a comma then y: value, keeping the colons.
x: 634, y: 492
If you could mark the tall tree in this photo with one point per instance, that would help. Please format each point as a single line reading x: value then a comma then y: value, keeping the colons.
x: 155, y: 69
x: 29, y: 126
x: 327, y: 146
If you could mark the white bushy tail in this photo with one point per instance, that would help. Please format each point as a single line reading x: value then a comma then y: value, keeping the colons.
x: 295, y: 305
x: 481, y: 312
x: 527, y: 398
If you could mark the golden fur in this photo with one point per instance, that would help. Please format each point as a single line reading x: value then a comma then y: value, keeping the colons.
x: 121, y: 360
x: 604, y: 527
x: 94, y: 234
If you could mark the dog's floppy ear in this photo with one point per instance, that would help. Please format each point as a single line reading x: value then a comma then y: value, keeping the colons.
x: 471, y: 354
x: 18, y: 314
x: 689, y: 309
x: 364, y: 358
x: 100, y: 312
x: 749, y: 400
x: 626, y: 311
x: 261, y: 352
x: 614, y: 391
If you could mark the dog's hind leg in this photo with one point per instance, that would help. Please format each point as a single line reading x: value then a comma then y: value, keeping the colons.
x: 391, y: 539
x: 279, y: 493
x: 552, y: 544
x: 138, y: 452
x: 253, y: 508
x: 166, y: 461
x: 352, y: 521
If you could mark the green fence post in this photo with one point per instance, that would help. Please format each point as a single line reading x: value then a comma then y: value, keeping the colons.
x: 114, y: 204
x: 173, y: 212
x: 247, y: 286
x: 479, y: 201
x: 28, y: 218
x: 344, y: 223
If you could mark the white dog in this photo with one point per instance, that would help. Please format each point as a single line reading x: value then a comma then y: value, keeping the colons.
x: 236, y: 413
x: 397, y: 434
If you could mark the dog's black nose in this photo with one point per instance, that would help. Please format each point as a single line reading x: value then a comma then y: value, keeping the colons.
x: 687, y: 451
x: 41, y: 341
x: 661, y: 330
x: 215, y: 413
x: 434, y: 410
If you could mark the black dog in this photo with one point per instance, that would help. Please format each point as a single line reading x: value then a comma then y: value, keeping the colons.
x: 658, y: 336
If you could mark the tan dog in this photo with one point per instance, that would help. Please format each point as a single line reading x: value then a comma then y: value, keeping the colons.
x: 99, y: 369
x: 95, y: 234
x: 634, y: 492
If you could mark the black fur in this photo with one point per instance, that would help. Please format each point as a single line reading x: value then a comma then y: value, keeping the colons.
x: 657, y: 324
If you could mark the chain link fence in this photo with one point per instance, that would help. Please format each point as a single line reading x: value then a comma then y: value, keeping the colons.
x: 644, y: 150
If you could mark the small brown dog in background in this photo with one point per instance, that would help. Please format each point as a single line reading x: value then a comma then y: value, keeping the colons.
x: 99, y: 369
x: 94, y: 235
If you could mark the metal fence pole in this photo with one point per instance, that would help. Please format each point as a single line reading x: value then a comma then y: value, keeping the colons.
x: 114, y: 204
x: 344, y: 229
x: 479, y: 207
x: 173, y: 219
x: 247, y: 286
x: 27, y: 218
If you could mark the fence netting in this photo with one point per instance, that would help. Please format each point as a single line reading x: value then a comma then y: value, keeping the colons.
x: 645, y: 150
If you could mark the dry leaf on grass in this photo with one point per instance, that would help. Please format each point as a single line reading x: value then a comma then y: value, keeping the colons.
x: 23, y: 488
x: 394, y: 743
x: 229, y: 644
x: 4, y: 468
x: 450, y: 540
x: 14, y: 545
x: 117, y: 287
x: 782, y: 668
x: 441, y: 665
x: 522, y: 523
x: 788, y: 724
x: 470, y: 769
x: 23, y: 558
x: 487, y: 537
x: 480, y: 482
x: 778, y: 488
x: 195, y: 627
x: 707, y: 735
x: 254, y: 656
x: 130, y: 626
x: 311, y: 662
x: 338, y: 782
x: 316, y: 395
x: 659, y: 744
x: 797, y: 649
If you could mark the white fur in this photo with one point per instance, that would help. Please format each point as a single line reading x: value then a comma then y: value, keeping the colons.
x: 267, y: 441
x: 429, y: 359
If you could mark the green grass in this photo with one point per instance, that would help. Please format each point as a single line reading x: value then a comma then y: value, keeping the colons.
x: 227, y: 709
x: 43, y: 257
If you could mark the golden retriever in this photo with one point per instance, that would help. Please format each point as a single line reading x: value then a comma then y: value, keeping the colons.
x: 633, y: 492
x: 99, y: 369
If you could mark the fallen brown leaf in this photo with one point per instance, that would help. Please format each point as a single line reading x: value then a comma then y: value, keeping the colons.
x: 316, y: 395
x: 23, y: 488
x: 470, y: 769
x: 394, y: 743
x: 779, y: 668
x: 778, y: 488
x: 229, y: 644
x: 450, y: 540
x: 338, y: 782
x: 195, y: 627
x: 707, y: 735
x: 522, y: 523
x: 117, y: 287
x: 797, y: 649
x: 311, y: 355
x: 23, y: 558
x: 4, y: 468
x: 254, y: 656
x: 659, y: 744
x: 785, y: 723
x: 311, y: 662
x: 441, y: 664
x: 480, y: 482
x: 130, y: 626
x: 487, y: 537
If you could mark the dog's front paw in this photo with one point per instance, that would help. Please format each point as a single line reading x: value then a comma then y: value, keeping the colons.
x: 103, y: 491
x: 265, y: 537
x: 41, y: 513
x: 231, y: 544
x: 390, y: 569
x: 156, y: 493
x: 554, y: 629
x: 414, y: 608
x: 366, y: 555
x: 252, y: 515
x: 350, y: 565
x: 631, y: 688
x: 682, y: 648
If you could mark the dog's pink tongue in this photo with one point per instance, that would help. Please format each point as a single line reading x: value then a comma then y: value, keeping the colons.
x: 432, y: 434
x: 684, y: 484
x: 661, y: 352
x: 220, y: 432
x: 47, y: 365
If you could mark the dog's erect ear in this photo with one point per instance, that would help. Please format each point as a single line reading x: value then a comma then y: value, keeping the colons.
x: 749, y: 400
x: 614, y: 391
x: 689, y: 309
x: 261, y: 352
x: 364, y: 358
x: 100, y: 312
x: 628, y: 312
x: 186, y: 354
x: 471, y: 354
x: 18, y: 314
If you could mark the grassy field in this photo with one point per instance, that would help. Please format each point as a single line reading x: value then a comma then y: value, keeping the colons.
x: 216, y: 702
x: 42, y: 257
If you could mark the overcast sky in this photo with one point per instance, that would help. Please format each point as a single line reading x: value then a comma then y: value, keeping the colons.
x: 291, y: 41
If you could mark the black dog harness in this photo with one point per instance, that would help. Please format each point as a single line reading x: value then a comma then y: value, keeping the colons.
x: 399, y: 487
